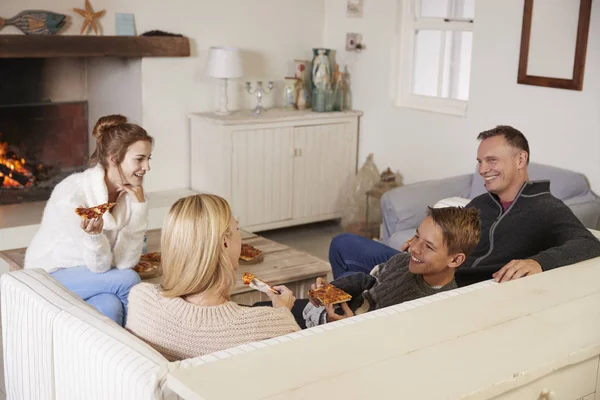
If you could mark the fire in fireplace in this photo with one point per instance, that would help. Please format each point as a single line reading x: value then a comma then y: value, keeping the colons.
x: 15, y: 172
x: 40, y: 145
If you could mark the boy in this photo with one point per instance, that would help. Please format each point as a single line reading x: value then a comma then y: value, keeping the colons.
x: 441, y: 244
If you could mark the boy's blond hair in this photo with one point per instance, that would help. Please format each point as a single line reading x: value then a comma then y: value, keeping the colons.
x: 194, y: 257
x: 461, y: 227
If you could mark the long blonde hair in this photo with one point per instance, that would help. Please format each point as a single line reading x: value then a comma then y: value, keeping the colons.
x: 194, y: 257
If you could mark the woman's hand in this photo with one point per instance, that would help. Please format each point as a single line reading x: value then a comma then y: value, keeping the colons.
x: 92, y: 226
x: 285, y: 298
x: 136, y: 193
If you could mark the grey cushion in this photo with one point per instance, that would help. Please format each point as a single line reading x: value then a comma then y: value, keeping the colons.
x: 564, y: 184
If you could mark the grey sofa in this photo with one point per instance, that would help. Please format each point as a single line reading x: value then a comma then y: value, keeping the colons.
x: 403, y: 208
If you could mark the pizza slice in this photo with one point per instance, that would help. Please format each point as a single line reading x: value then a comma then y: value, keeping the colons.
x: 255, y: 283
x: 144, y: 267
x: 94, y: 212
x: 329, y: 294
x: 153, y: 257
x: 249, y: 252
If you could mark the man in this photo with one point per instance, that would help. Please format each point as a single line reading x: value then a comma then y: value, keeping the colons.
x: 441, y: 244
x: 524, y: 229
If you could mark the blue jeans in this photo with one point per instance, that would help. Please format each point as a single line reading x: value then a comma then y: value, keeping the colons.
x: 105, y: 292
x: 350, y: 253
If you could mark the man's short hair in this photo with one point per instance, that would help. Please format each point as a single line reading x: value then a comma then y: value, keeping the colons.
x: 513, y: 136
x: 461, y: 227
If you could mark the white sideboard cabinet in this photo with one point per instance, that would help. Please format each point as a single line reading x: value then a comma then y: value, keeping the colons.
x: 278, y: 169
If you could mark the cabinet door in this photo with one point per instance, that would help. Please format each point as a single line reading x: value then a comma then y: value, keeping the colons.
x: 262, y: 175
x: 324, y: 162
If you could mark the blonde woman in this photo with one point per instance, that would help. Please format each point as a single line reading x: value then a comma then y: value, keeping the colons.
x: 191, y: 314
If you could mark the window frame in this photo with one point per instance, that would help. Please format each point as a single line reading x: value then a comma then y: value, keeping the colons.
x: 408, y: 23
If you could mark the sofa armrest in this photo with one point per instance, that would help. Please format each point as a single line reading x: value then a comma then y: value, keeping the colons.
x: 586, y: 208
x: 404, y: 207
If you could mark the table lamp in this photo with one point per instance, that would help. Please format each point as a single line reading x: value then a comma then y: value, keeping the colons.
x: 223, y: 63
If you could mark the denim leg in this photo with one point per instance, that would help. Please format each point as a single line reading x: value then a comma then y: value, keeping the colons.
x: 351, y: 253
x: 86, y: 284
x: 110, y: 305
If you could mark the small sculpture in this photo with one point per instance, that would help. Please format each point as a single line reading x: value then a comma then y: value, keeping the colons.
x: 33, y: 22
x: 90, y: 17
x: 321, y: 72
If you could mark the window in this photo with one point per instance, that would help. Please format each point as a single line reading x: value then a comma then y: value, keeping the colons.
x: 436, y: 38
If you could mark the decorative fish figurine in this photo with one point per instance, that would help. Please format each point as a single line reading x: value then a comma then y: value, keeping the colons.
x: 33, y: 22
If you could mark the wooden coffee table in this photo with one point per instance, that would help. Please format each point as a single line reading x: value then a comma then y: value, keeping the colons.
x: 283, y: 265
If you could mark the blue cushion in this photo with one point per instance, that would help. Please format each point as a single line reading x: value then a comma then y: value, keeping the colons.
x: 564, y: 184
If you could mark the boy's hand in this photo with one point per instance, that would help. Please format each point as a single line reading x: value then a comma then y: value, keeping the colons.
x: 406, y: 244
x: 320, y: 282
x: 517, y: 269
x: 332, y: 316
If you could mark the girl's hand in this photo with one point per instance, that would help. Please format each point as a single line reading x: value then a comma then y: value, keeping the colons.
x: 136, y: 193
x: 92, y: 226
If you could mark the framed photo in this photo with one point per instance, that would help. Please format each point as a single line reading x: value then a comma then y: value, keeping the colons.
x: 354, y: 8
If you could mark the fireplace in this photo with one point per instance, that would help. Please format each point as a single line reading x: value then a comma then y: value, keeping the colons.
x: 43, y: 126
x: 40, y: 144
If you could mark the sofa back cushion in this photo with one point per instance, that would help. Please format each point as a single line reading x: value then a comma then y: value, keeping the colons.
x: 27, y: 319
x: 564, y: 184
x: 97, y: 359
x: 57, y: 346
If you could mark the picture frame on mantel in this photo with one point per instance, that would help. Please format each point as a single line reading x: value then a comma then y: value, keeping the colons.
x: 554, y: 42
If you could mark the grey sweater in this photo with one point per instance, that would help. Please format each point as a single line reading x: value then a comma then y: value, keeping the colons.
x: 389, y: 284
x: 537, y: 226
x: 392, y: 284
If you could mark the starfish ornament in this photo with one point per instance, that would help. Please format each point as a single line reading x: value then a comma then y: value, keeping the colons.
x: 90, y: 17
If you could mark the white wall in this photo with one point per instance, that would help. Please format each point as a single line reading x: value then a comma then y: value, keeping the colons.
x: 272, y: 33
x: 562, y: 126
x: 114, y: 87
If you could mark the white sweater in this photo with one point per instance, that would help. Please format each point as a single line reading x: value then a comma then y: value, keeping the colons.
x: 61, y: 243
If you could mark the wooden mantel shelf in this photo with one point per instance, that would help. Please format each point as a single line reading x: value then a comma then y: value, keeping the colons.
x: 22, y: 46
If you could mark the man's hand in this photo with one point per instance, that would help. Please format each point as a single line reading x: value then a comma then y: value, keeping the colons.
x: 332, y: 316
x: 517, y: 269
x: 319, y: 283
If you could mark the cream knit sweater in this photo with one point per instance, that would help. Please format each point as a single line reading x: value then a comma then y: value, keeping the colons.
x: 61, y: 243
x: 180, y: 330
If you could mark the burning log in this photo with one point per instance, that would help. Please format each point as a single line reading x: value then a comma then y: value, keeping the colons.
x: 15, y: 176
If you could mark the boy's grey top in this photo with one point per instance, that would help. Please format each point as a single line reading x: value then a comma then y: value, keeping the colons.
x: 389, y: 284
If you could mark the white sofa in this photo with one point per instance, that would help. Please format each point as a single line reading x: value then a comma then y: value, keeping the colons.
x: 58, y: 347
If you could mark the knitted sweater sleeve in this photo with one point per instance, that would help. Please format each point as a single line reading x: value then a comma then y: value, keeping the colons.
x: 568, y: 240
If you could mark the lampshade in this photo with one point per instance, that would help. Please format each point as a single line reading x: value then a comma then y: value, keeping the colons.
x: 224, y: 62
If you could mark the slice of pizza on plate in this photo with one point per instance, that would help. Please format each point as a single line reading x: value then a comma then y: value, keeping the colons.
x: 250, y: 254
